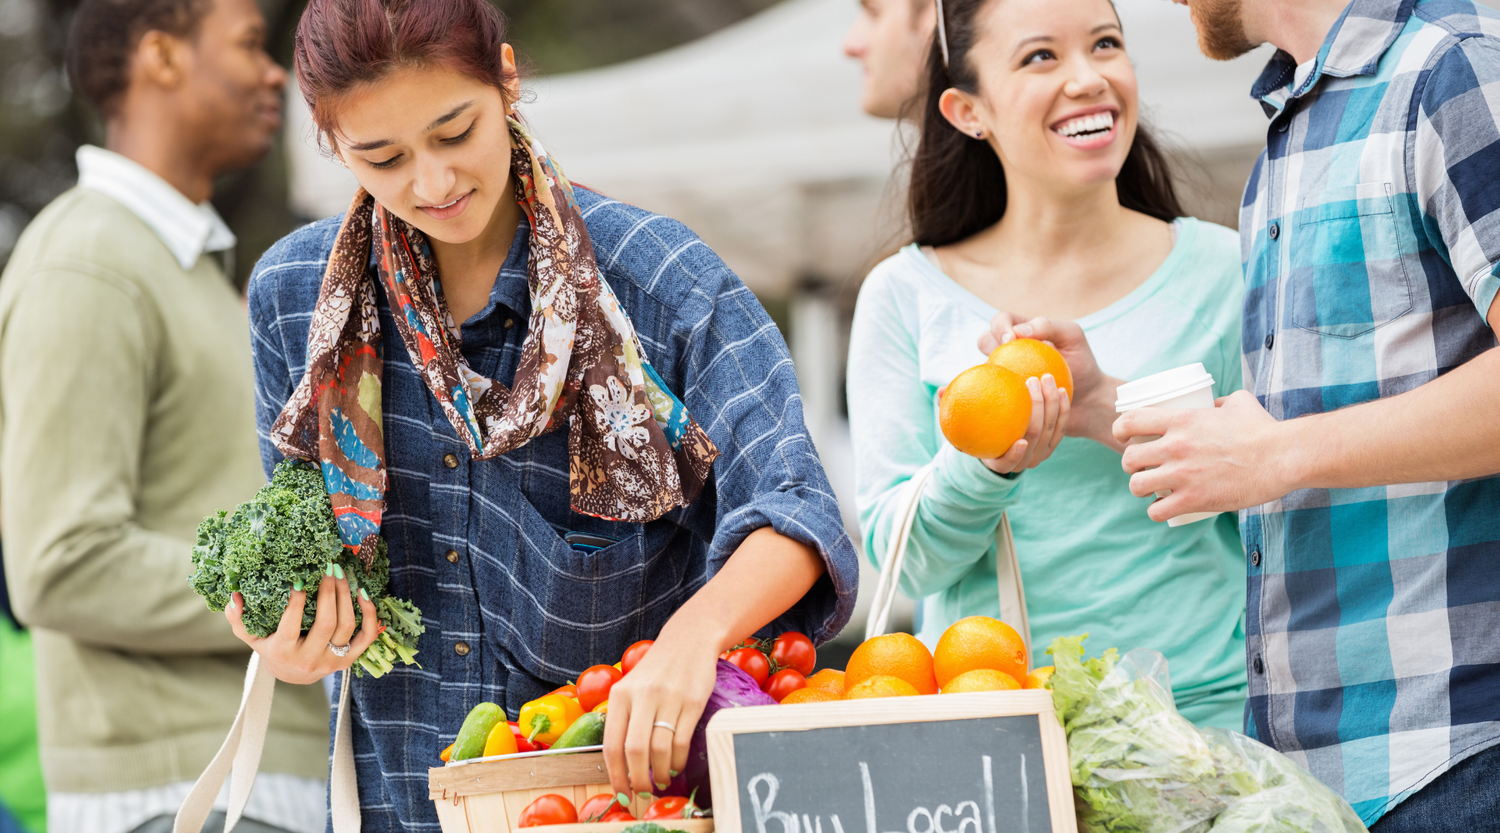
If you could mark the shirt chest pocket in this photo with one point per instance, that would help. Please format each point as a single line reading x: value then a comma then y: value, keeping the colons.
x: 1347, y: 276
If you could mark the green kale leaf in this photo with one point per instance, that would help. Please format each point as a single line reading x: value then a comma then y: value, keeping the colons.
x: 284, y: 536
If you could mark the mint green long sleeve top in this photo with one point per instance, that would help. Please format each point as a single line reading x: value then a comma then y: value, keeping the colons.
x: 1091, y: 560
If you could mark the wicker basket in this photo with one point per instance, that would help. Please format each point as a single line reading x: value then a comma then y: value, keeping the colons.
x: 488, y: 796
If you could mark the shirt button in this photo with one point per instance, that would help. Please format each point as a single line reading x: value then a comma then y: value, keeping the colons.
x: 1270, y: 340
x: 452, y: 556
x: 510, y: 322
x: 1281, y: 128
x: 462, y: 649
x: 1260, y: 667
x: 1254, y: 558
x: 450, y: 460
x: 1275, y: 230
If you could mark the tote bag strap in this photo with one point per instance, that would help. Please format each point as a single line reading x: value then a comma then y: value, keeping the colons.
x: 239, y: 760
x: 907, y: 502
x: 1007, y: 568
x: 1008, y: 579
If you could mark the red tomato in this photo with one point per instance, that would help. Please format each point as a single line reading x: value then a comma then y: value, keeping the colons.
x: 549, y: 809
x: 752, y: 662
x: 522, y: 744
x: 633, y: 655
x: 671, y: 807
x: 784, y: 682
x: 618, y: 815
x: 793, y: 650
x: 594, y: 685
x: 568, y: 690
x: 597, y: 807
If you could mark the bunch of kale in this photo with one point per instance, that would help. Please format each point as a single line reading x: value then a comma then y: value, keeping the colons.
x: 287, y: 534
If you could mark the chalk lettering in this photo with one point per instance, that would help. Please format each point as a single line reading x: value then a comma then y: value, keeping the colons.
x: 971, y: 820
x: 937, y: 818
x: 989, y: 793
x: 763, y: 811
x: 911, y: 821
x: 1025, y: 807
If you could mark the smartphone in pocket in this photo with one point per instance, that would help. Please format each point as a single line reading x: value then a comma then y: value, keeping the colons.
x: 587, y: 542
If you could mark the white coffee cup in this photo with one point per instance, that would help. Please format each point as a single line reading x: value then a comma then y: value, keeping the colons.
x: 1189, y: 386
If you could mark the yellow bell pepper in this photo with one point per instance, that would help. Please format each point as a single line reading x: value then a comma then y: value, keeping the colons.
x: 501, y: 741
x: 544, y: 719
x: 602, y: 708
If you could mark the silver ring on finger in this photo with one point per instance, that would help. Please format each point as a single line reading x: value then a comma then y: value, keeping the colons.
x: 340, y: 651
x: 662, y: 724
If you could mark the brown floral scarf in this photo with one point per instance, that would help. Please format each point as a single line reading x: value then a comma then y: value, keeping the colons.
x: 634, y: 453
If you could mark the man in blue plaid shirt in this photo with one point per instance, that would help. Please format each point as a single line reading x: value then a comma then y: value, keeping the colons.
x: 1364, y: 455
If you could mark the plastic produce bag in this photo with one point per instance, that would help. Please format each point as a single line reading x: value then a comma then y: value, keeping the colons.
x: 1140, y: 767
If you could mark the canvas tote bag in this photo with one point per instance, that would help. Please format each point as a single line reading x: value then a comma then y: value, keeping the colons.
x: 240, y: 755
x: 1007, y: 570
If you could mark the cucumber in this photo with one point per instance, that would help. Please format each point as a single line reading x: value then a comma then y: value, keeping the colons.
x: 585, y: 731
x: 476, y: 730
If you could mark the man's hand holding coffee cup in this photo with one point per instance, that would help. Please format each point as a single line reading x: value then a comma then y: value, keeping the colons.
x: 1221, y: 459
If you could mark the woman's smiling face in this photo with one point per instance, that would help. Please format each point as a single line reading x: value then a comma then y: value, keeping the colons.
x: 432, y: 146
x: 1056, y: 91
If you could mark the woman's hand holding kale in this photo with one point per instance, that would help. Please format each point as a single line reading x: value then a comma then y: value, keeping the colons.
x: 294, y: 657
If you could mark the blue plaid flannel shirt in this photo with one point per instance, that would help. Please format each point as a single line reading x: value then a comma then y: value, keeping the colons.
x: 1371, y: 230
x: 511, y: 610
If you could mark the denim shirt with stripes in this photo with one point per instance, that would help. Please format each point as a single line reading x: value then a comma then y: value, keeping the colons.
x: 511, y: 610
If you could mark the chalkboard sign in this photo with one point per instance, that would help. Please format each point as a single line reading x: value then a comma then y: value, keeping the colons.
x: 991, y: 762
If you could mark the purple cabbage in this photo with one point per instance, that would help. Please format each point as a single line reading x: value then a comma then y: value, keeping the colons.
x: 732, y: 689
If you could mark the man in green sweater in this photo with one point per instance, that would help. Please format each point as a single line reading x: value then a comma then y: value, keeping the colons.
x: 126, y: 416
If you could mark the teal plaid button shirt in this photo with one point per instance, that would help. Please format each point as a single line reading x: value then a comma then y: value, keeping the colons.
x: 1370, y: 232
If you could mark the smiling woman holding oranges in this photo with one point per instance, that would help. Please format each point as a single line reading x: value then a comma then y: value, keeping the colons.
x: 1036, y: 192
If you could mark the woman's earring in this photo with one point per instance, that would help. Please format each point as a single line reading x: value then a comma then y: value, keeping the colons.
x: 979, y: 134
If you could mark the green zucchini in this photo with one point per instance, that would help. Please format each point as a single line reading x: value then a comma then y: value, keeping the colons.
x: 585, y: 731
x: 475, y: 731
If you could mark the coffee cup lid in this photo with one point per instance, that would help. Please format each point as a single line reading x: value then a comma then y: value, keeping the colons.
x: 1159, y: 387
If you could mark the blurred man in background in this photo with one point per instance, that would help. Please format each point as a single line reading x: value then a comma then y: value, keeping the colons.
x: 891, y: 38
x: 126, y: 416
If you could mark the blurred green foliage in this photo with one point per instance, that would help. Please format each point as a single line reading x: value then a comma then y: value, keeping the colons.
x: 42, y: 124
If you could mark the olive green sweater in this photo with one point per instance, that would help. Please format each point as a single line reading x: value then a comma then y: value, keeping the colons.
x: 126, y: 416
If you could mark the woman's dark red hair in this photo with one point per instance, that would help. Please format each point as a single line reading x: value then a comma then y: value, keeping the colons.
x: 344, y: 43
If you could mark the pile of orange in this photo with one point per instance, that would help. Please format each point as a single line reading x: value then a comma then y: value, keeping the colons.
x: 986, y: 408
x: 975, y: 654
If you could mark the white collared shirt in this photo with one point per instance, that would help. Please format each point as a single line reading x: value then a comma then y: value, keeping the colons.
x: 188, y: 230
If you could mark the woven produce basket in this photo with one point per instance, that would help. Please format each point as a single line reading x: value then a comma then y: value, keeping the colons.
x: 488, y: 795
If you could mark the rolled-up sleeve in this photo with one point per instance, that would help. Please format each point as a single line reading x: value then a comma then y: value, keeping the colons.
x: 742, y: 389
x: 1457, y: 148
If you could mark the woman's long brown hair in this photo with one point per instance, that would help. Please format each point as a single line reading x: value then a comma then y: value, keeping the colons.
x: 957, y: 182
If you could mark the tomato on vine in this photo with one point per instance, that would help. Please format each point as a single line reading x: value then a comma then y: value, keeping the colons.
x: 784, y: 682
x: 794, y: 650
x: 752, y: 662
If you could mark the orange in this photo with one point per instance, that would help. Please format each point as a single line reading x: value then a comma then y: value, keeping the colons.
x: 1028, y: 357
x: 978, y: 642
x: 810, y: 695
x: 830, y: 680
x: 881, y: 685
x: 981, y: 679
x: 1039, y: 677
x: 896, y: 655
x: 985, y: 410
